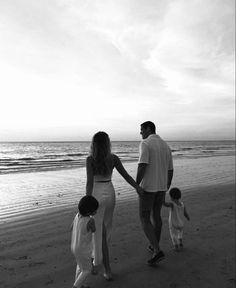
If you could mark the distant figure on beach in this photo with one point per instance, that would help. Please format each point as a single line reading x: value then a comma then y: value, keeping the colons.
x: 100, y: 164
x: 176, y: 218
x: 155, y: 172
x: 81, y: 241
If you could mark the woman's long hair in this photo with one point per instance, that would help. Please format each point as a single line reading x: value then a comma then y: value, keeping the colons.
x: 100, y: 152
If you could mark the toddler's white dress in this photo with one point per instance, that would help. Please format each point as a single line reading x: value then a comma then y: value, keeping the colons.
x: 176, y: 222
x: 81, y: 247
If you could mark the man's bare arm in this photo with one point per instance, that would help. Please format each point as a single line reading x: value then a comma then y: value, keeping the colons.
x: 170, y: 176
x: 141, y: 172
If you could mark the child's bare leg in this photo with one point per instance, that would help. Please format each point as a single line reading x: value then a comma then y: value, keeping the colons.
x: 176, y: 247
x: 174, y: 238
x: 94, y: 269
x: 81, y: 278
x: 77, y: 272
x: 83, y: 286
x: 180, y: 237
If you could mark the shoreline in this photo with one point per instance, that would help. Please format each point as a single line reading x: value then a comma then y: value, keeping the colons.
x: 43, y: 191
x: 77, y: 165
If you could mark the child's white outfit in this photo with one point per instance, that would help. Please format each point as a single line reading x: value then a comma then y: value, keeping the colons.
x: 176, y: 222
x: 81, y: 247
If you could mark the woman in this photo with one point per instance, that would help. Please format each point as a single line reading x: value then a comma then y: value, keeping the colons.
x: 100, y: 165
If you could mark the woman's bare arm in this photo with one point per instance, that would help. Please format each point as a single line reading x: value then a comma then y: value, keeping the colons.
x: 186, y: 214
x: 120, y: 168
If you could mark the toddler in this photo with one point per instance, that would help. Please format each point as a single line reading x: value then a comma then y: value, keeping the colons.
x: 81, y: 241
x: 176, y: 217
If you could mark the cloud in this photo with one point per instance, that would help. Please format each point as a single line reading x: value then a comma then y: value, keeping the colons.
x: 169, y: 61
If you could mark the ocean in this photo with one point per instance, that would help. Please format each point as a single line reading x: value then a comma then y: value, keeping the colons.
x: 18, y: 157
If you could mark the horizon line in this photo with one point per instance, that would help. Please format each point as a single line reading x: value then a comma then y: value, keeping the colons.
x: 61, y: 141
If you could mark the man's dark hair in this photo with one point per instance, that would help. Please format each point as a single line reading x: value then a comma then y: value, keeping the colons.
x: 175, y: 193
x: 149, y: 124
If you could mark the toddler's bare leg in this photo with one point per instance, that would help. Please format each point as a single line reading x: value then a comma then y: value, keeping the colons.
x: 81, y: 278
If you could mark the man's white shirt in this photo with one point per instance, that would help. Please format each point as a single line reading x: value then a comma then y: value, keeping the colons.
x: 155, y: 152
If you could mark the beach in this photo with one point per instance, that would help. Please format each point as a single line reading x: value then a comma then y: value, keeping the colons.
x: 35, y: 229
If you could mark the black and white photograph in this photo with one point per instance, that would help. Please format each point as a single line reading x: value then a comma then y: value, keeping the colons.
x: 117, y: 144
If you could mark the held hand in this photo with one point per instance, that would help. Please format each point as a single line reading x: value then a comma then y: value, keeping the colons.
x: 139, y: 190
x: 187, y: 217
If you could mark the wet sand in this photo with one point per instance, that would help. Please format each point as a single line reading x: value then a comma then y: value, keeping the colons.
x: 37, y: 210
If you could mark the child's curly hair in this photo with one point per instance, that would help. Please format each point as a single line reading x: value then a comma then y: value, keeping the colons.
x: 87, y: 205
x: 175, y: 193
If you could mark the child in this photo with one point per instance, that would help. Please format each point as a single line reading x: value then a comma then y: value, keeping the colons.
x: 81, y: 240
x: 176, y: 219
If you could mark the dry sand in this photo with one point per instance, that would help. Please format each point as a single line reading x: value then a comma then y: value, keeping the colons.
x: 35, y: 230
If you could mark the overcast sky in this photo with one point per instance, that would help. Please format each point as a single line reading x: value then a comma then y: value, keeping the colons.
x: 69, y: 68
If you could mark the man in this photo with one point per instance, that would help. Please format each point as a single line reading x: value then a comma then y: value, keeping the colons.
x: 155, y: 172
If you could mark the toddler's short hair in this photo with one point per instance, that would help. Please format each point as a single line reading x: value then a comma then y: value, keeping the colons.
x: 175, y: 193
x: 87, y: 205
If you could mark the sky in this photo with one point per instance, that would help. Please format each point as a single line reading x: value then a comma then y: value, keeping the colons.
x: 70, y: 68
